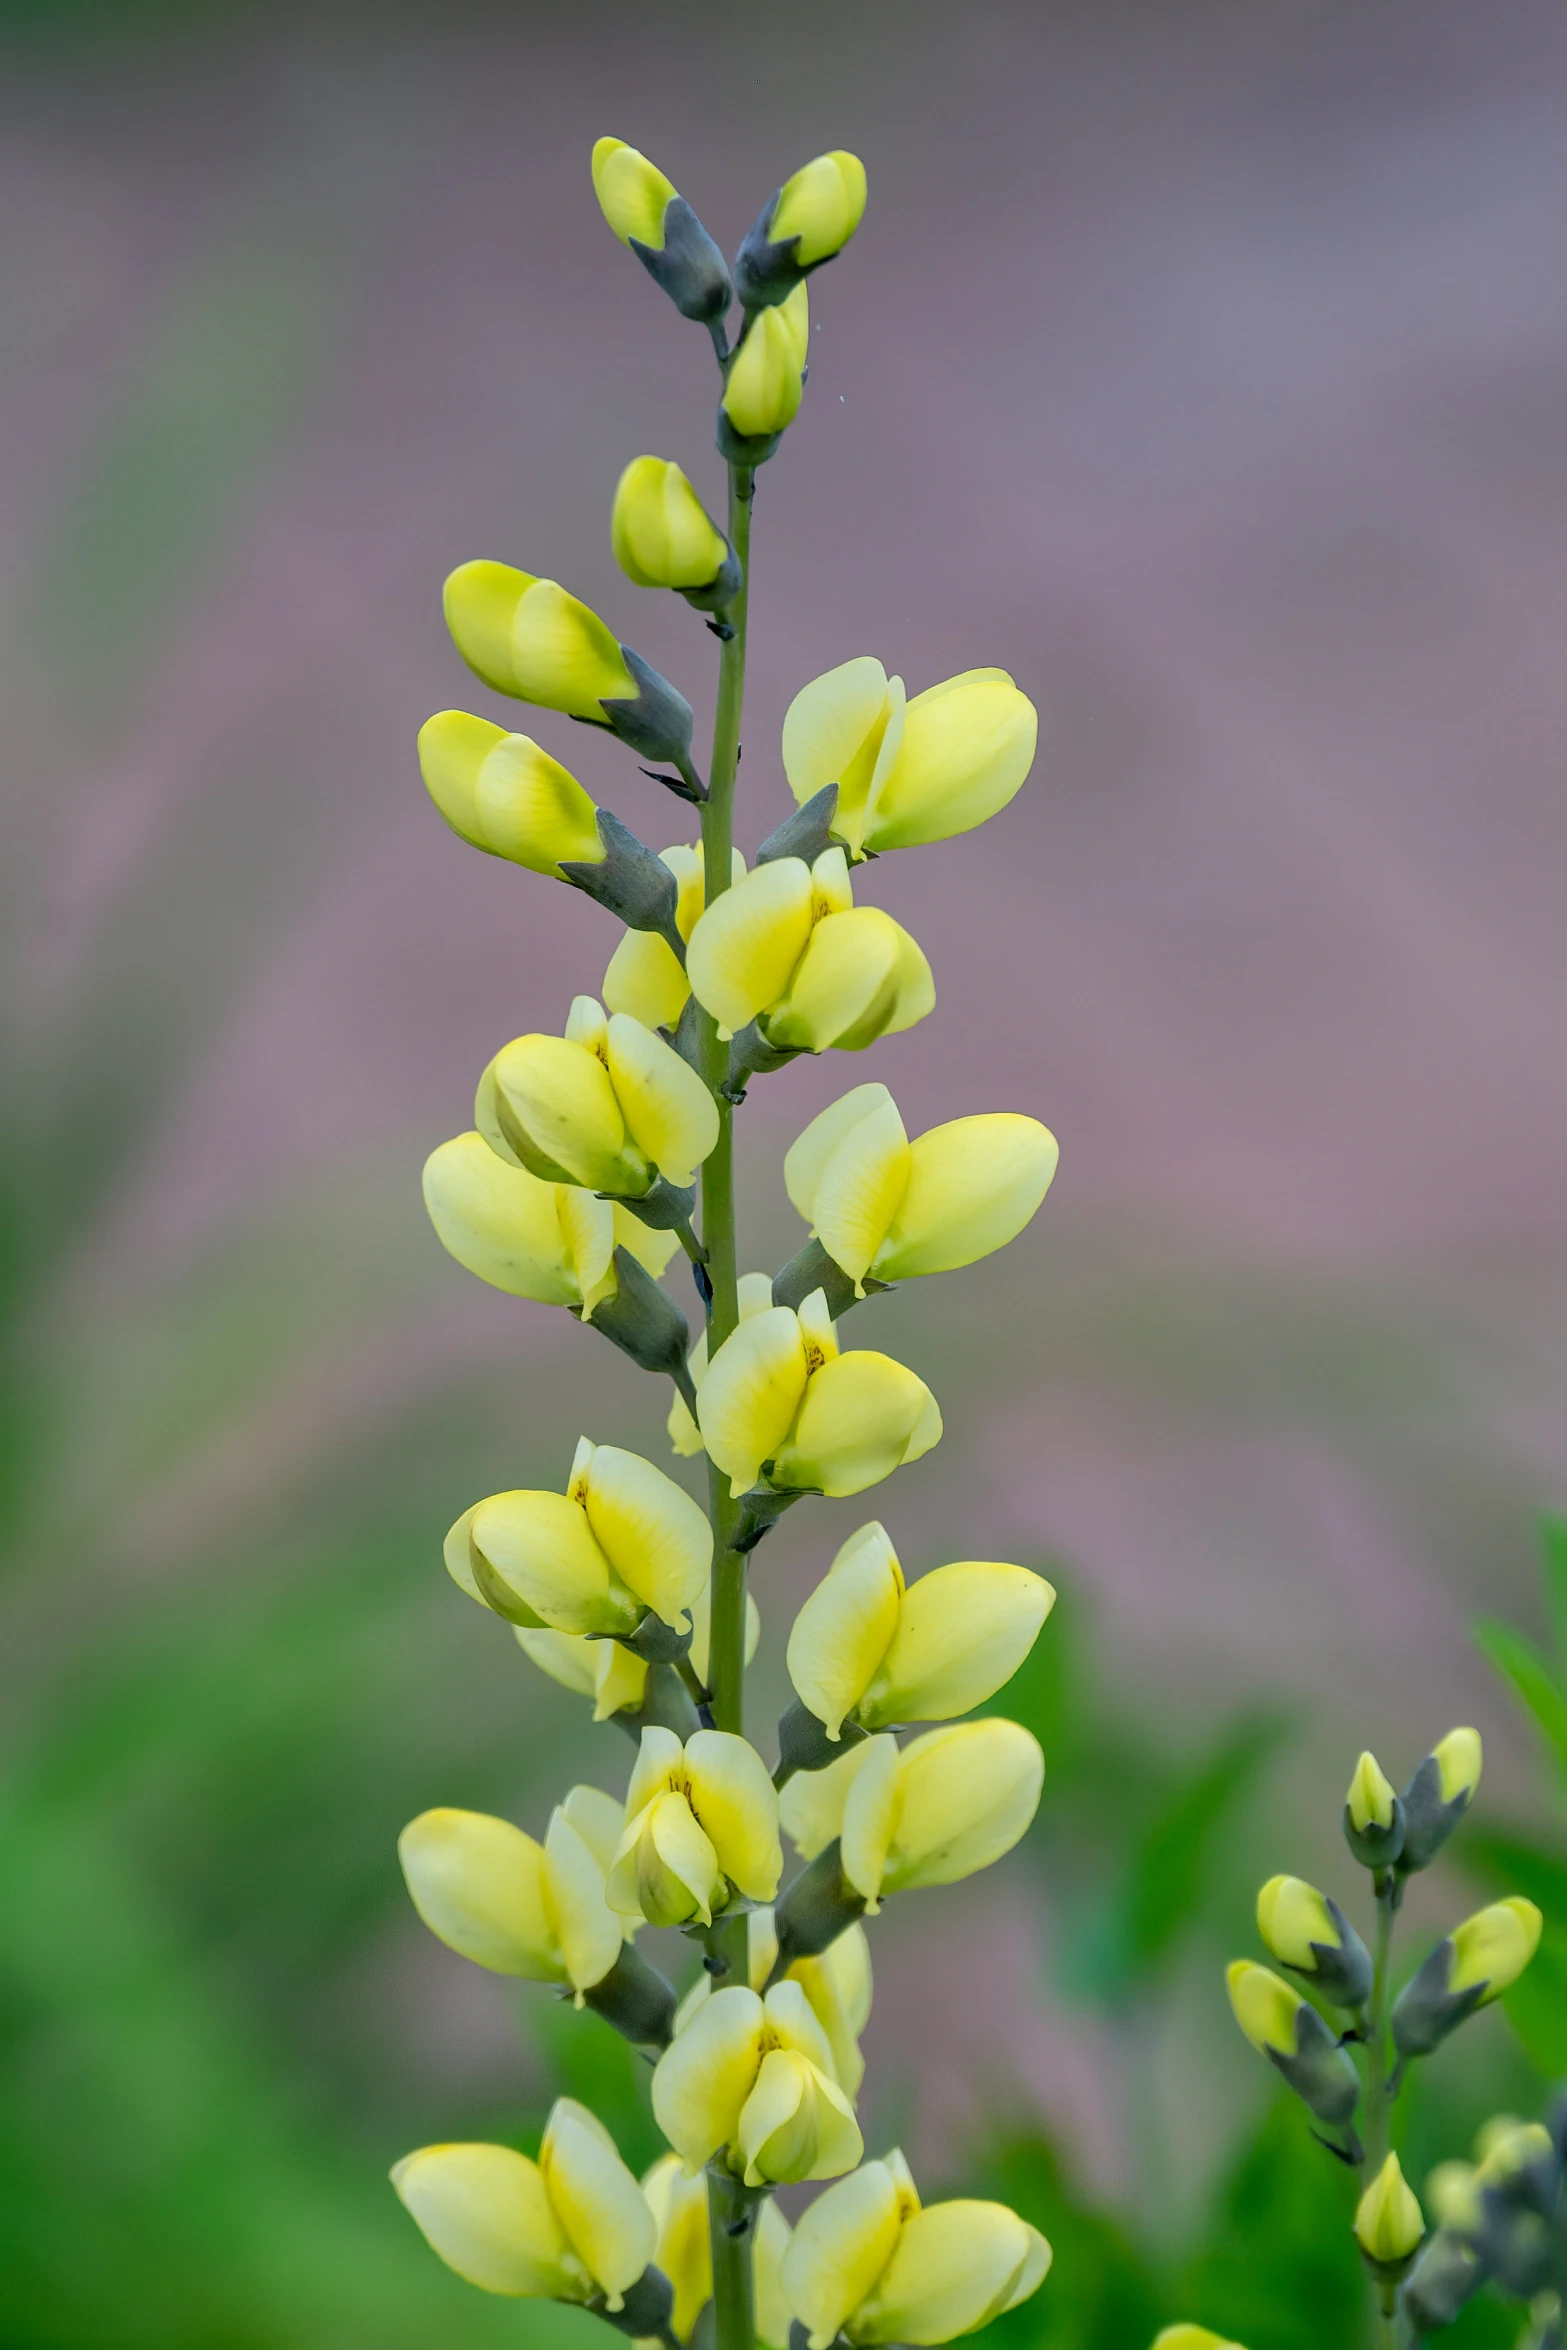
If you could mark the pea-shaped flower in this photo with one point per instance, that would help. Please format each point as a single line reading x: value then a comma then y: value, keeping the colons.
x: 623, y: 1541
x: 765, y: 379
x: 701, y: 1826
x: 1469, y: 1968
x: 908, y: 771
x: 750, y: 2083
x: 868, y: 2264
x: 504, y: 795
x: 663, y: 536
x: 553, y: 1242
x: 614, y: 1677
x: 648, y: 214
x: 867, y: 1647
x: 778, y: 1395
x: 788, y: 948
x: 537, y: 1911
x: 887, y: 1208
x: 836, y: 1982
x: 685, y: 2252
x: 1308, y: 1932
x: 608, y: 1105
x: 573, y: 2226
x: 930, y: 1813
x: 528, y: 637
x: 644, y: 977
x: 812, y: 218
x: 1288, y: 2031
x: 755, y: 1297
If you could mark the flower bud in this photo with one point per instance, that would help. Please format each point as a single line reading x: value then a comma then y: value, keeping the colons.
x: 866, y: 1645
x: 942, y: 1808
x: 869, y: 2264
x: 550, y: 1241
x: 644, y: 977
x: 809, y: 221
x: 663, y: 536
x: 908, y: 771
x: 778, y: 1395
x: 764, y: 381
x: 1373, y: 1816
x: 1475, y: 1964
x: 527, y: 637
x: 886, y: 1209
x: 504, y: 795
x: 611, y: 1675
x: 750, y: 2082
x: 1307, y: 1931
x: 571, y: 2227
x: 622, y: 1540
x: 608, y: 1105
x: 1189, y: 2337
x: 701, y: 1824
x: 1438, y: 1796
x: 1285, y: 2029
x: 1388, y: 2219
x: 659, y: 226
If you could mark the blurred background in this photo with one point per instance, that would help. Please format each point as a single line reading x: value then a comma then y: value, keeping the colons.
x: 1204, y: 365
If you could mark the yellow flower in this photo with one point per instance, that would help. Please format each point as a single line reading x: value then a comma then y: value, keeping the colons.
x: 608, y: 1105
x: 504, y: 795
x: 662, y: 534
x: 908, y: 771
x: 527, y: 637
x: 1388, y: 2219
x: 940, y: 1809
x: 550, y: 1241
x: 623, y: 1539
x: 866, y: 1645
x: 888, y: 1208
x: 701, y: 1825
x: 821, y: 206
x: 868, y: 2263
x: 519, y: 1908
x: 612, y: 1676
x: 633, y: 193
x: 778, y: 1393
x: 750, y: 2081
x: 569, y: 2227
x: 755, y: 1297
x: 837, y: 1984
x: 1492, y: 1948
x: 679, y: 2205
x: 766, y: 376
x: 788, y: 947
x: 643, y: 977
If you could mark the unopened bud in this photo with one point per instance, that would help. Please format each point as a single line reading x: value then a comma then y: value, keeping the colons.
x: 809, y: 221
x: 1438, y: 1796
x: 648, y: 214
x: 765, y: 379
x: 1373, y: 1816
x: 1288, y: 2031
x: 1388, y: 2220
x: 1475, y: 1964
x: 663, y: 536
x: 1308, y: 1932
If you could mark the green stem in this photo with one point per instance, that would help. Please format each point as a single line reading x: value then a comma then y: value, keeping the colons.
x: 1378, y: 2099
x: 733, y: 2285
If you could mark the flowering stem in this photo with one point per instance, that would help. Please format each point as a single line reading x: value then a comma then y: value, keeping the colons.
x: 1378, y: 2087
x: 732, y: 2220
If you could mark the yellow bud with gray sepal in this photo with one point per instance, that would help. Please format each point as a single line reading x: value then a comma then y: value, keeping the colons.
x: 1473, y: 1965
x: 663, y: 536
x: 1438, y: 1796
x: 648, y: 214
x: 1306, y: 1931
x: 808, y: 222
x: 1388, y: 2220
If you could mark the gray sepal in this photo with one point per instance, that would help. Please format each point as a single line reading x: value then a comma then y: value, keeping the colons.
x: 765, y: 273
x: 803, y: 1743
x: 668, y: 1207
x: 1426, y: 2011
x: 632, y: 882
x: 654, y: 1641
x: 646, y: 2310
x: 667, y: 1704
x: 820, y: 1905
x: 686, y: 1035
x: 722, y: 589
x: 637, y: 2000
x: 750, y: 1055
x: 642, y: 1321
x: 1428, y: 1821
x: 691, y: 269
x: 806, y: 833
x: 812, y: 1268
x: 657, y: 722
x: 760, y: 1511
x: 1343, y: 1970
x: 1445, y: 2276
x: 744, y: 448
x: 1373, y: 1847
x: 1320, y: 2072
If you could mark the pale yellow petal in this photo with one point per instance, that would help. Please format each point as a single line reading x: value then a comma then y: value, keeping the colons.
x: 453, y: 746
x: 750, y: 1394
x: 967, y: 747
x: 966, y: 1795
x: 660, y: 1765
x: 748, y: 942
x: 530, y: 808
x: 457, y: 1553
x: 811, y: 1806
x: 654, y: 1535
x: 840, y: 2248
x: 955, y: 2267
x: 845, y: 1628
x: 598, y: 1819
x: 860, y: 1190
x: 586, y: 1929
x: 598, y: 2202
x: 872, y: 1812
x: 499, y: 1221
x: 679, y: 2207
x: 562, y: 655
x: 559, y: 1112
x: 831, y: 723
x: 542, y: 1548
x: 963, y: 1632
x: 916, y: 993
x: 480, y: 601
x: 762, y: 389
x: 812, y: 1150
x: 669, y: 1112
x: 644, y: 980
x: 703, y: 2078
x: 486, y: 2211
x: 796, y: 2123
x: 773, y: 2314
x: 665, y: 1868
x: 863, y: 1416
x: 732, y: 1795
x: 844, y: 990
x: 633, y: 194
x: 972, y: 1187
x: 820, y: 207
x: 565, y: 1656
x: 479, y: 1884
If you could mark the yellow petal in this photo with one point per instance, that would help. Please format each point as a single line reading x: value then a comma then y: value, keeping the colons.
x: 873, y: 1805
x: 660, y: 531
x: 703, y: 2078
x: 774, y: 2317
x: 457, y: 1554
x: 762, y: 389
x: 666, y: 1869
x: 812, y: 1151
x: 863, y: 1416
x: 845, y: 1628
x: 479, y: 1884
x: 679, y: 2206
x: 965, y: 1797
x: 499, y: 1222
x: 793, y: 2023
x: 655, y: 1537
x: 1371, y: 1796
x: 811, y: 1806
x: 967, y: 746
x: 860, y: 1191
x: 597, y: 1818
x: 596, y: 2199
x: 1189, y: 2337
x: 452, y: 748
x: 633, y: 194
x: 972, y: 1186
x: 955, y: 2267
x: 669, y: 1113
x: 1266, y: 2009
x: 844, y: 990
x: 748, y: 942
x: 962, y: 1632
x: 542, y: 1548
x: 750, y: 1394
x: 838, y: 1986
x: 1291, y: 1916
x: 916, y: 987
x: 652, y: 1250
x: 480, y: 601
x: 486, y: 2211
x: 562, y: 655
x: 586, y: 1930
x: 796, y: 2124
x: 795, y: 311
x: 566, y: 1658
x: 839, y: 2250
x: 660, y: 1766
x: 506, y: 796
x: 732, y: 1795
x: 830, y: 725
x: 1494, y: 1946
x: 1457, y: 1758
x: 559, y: 1112
x: 832, y: 892
x: 644, y: 979
x: 588, y: 1228
x: 1388, y: 2220
x: 821, y: 205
